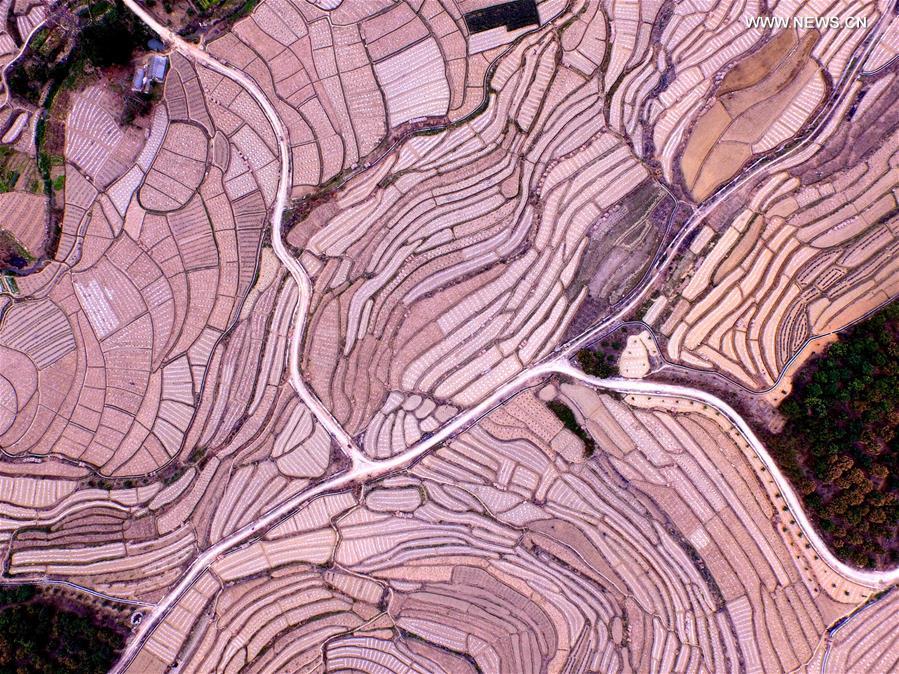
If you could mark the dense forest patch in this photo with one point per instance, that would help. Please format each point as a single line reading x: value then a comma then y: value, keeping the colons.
x: 87, y: 36
x: 598, y: 363
x: 40, y: 633
x: 840, y: 443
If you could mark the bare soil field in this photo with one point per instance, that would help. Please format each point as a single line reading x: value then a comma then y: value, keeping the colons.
x: 752, y: 97
x: 25, y: 215
x: 135, y: 301
x: 503, y: 246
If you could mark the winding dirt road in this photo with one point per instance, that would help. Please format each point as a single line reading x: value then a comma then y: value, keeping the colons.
x: 297, y: 272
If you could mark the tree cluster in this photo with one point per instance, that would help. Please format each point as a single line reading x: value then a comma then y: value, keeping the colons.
x: 840, y: 443
x: 595, y: 363
x: 566, y: 415
x: 39, y: 635
x: 94, y: 35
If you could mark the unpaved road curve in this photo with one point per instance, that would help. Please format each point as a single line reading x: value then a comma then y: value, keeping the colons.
x: 75, y: 586
x: 873, y: 579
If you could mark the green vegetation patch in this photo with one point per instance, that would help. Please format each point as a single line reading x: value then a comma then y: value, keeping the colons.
x: 567, y: 417
x: 43, y: 635
x: 840, y: 444
x: 43, y: 159
x: 596, y: 364
x: 13, y: 165
x: 8, y: 180
x: 13, y: 255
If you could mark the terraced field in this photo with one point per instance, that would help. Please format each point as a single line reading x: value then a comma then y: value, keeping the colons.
x: 297, y: 383
x: 810, y: 251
